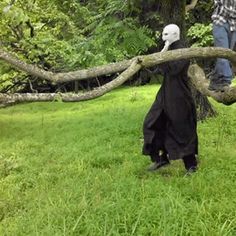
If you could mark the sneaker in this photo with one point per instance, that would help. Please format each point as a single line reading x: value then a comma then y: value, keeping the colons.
x: 158, y: 165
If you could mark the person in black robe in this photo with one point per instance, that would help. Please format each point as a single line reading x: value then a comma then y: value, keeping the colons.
x: 170, y: 126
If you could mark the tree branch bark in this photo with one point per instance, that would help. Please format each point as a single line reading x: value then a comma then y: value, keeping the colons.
x: 199, y: 80
x: 10, y: 99
x: 191, y: 5
x: 133, y: 65
x: 147, y: 61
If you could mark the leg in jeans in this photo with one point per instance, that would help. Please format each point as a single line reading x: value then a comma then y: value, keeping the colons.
x: 233, y: 40
x: 233, y: 44
x: 223, y: 72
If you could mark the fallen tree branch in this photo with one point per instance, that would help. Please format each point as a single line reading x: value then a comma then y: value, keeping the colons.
x: 133, y: 65
x: 199, y: 80
x: 147, y: 61
x: 191, y: 5
x: 10, y: 99
x: 195, y: 72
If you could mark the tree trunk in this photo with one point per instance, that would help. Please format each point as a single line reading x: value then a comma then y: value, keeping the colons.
x: 173, y: 12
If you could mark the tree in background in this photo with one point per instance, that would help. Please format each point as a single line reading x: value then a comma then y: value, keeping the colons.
x: 75, y: 34
x: 63, y: 37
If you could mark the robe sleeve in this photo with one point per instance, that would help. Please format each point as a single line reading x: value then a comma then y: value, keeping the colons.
x: 173, y: 67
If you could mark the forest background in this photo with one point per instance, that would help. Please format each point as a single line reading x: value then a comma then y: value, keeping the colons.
x: 62, y: 36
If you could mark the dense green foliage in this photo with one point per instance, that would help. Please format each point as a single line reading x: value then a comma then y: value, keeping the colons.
x: 68, y: 35
x: 62, y: 37
x: 201, y: 35
x: 77, y: 169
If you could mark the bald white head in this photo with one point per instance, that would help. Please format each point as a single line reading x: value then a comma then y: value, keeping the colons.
x: 171, y: 33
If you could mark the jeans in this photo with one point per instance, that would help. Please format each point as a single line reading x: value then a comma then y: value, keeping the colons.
x: 224, y: 38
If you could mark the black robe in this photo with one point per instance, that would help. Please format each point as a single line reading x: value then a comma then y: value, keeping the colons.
x: 171, y: 123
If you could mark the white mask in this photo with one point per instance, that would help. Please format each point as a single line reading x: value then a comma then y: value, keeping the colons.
x: 170, y: 34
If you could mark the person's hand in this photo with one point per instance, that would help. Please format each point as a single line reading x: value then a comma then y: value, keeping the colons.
x: 166, y: 46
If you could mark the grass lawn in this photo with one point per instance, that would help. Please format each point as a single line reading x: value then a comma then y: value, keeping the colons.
x: 77, y: 169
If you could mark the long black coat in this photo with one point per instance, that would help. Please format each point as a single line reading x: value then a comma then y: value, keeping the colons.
x: 170, y: 125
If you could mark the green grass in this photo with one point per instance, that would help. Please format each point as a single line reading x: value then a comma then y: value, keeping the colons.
x: 77, y: 169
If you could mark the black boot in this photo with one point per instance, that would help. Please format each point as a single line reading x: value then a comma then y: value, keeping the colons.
x: 190, y: 163
x: 158, y: 162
